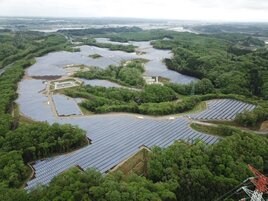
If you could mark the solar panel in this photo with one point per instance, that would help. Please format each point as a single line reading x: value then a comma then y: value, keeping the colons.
x: 120, y: 139
x: 223, y: 109
x: 65, y: 106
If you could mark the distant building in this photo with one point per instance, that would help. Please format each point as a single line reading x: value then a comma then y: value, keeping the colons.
x: 62, y: 84
x: 152, y: 80
x: 66, y: 84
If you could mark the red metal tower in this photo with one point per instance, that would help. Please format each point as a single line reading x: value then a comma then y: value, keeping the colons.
x: 261, y: 183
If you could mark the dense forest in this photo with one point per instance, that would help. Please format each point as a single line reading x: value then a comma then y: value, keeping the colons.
x: 256, y: 30
x: 226, y: 64
x: 99, y: 31
x: 25, y: 45
x: 92, y: 41
x: 232, y: 63
x: 128, y: 74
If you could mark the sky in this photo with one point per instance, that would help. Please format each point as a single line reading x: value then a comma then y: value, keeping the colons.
x: 204, y: 10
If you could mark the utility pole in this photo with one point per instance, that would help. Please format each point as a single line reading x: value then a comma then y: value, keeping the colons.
x: 193, y: 89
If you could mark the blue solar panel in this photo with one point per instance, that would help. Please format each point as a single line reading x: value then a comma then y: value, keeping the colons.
x: 114, y: 136
x: 102, y: 83
x: 223, y: 109
x: 116, y: 141
x: 65, y: 106
x: 53, y: 64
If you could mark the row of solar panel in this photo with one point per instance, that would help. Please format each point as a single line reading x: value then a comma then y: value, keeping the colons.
x: 223, y: 109
x: 65, y: 106
x: 117, y: 143
x: 151, y: 142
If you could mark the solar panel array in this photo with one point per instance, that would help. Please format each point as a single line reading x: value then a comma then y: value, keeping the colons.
x: 53, y: 63
x: 115, y: 138
x: 156, y: 67
x: 223, y: 109
x: 33, y: 103
x: 101, y: 83
x: 107, y: 40
x: 65, y: 106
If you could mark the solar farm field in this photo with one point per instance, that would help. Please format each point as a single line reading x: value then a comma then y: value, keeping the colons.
x: 223, y: 109
x: 121, y: 137
x: 114, y: 137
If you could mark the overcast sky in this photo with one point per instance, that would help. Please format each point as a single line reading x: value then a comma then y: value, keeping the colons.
x: 210, y: 10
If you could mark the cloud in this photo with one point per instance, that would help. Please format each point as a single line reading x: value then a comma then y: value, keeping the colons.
x: 232, y: 4
x: 231, y: 10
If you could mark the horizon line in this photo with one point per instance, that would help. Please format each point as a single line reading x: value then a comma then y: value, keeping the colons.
x: 136, y: 18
